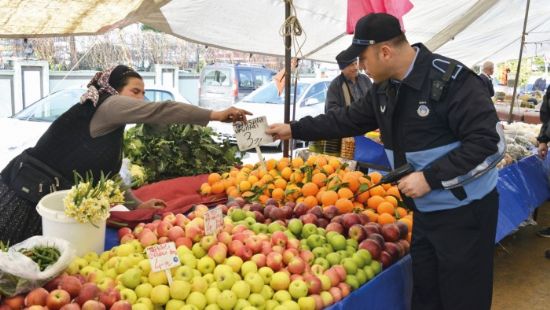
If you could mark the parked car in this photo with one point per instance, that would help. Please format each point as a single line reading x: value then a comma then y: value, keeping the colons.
x: 23, y: 129
x: 265, y: 101
x: 221, y: 85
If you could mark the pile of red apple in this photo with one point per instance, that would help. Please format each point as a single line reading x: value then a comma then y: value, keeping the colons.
x: 67, y: 293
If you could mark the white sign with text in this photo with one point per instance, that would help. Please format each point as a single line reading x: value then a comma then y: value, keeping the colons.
x: 213, y: 221
x: 163, y: 256
x: 252, y: 133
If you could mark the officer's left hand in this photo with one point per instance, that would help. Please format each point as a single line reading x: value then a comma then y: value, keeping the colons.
x: 414, y: 185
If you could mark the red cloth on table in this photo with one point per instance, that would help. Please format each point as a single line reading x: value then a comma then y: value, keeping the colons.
x: 360, y: 8
x: 180, y: 195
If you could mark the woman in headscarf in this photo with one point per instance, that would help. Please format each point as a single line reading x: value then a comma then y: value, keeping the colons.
x: 88, y: 138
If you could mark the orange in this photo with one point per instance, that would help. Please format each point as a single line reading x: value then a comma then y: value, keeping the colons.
x: 401, y: 212
x: 353, y: 182
x: 394, y: 191
x: 244, y: 186
x: 278, y: 194
x: 377, y: 190
x: 386, y: 186
x: 392, y: 200
x: 374, y: 201
x: 218, y: 187
x: 252, y: 179
x: 205, y: 189
x: 213, y: 178
x: 310, y: 201
x: 373, y: 216
x: 328, y: 169
x: 329, y: 198
x: 310, y: 189
x: 283, y: 163
x: 385, y: 218
x: 286, y: 172
x: 319, y: 179
x: 335, y: 163
x: 296, y: 177
x: 358, y: 205
x: 232, y: 192
x: 321, y: 161
x: 297, y: 162
x: 363, y: 198
x: 271, y: 164
x: 344, y: 205
x: 345, y: 193
x: 280, y: 183
x: 263, y: 198
x: 408, y: 222
x: 385, y: 207
x: 311, y: 160
x: 375, y: 177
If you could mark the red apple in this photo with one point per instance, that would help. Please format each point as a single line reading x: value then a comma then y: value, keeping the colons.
x: 336, y: 227
x: 330, y: 212
x: 87, y: 292
x: 274, y: 261
x: 393, y: 250
x: 336, y: 293
x: 123, y: 231
x: 54, y: 283
x: 372, y: 246
x: 93, y: 305
x: 307, y: 256
x: 289, y: 254
x: 378, y: 238
x: 390, y: 232
x: 121, y: 305
x: 309, y: 218
x: 148, y: 238
x: 170, y: 218
x: 260, y: 259
x: 319, y: 304
x: 294, y: 277
x: 405, y: 245
x: 225, y: 237
x: 372, y: 228
x: 163, y: 229
x: 71, y: 306
x: 350, y: 219
x: 109, y: 297
x: 313, y: 283
x: 403, y: 229
x: 341, y: 272
x: 175, y: 232
x: 363, y: 218
x: 185, y: 242
x: 296, y: 265
x: 332, y: 274
x: 300, y: 209
x: 386, y: 259
x: 71, y: 284
x: 127, y: 238
x: 16, y: 302
x: 253, y: 243
x: 38, y: 296
x: 163, y: 240
x: 357, y: 232
x: 57, y: 299
x: 293, y: 244
x: 344, y: 288
x: 322, y: 222
x: 277, y: 214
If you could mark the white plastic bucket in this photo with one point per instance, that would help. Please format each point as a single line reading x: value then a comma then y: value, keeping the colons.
x: 83, y: 237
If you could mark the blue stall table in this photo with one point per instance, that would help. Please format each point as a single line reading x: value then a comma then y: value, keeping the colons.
x: 523, y: 186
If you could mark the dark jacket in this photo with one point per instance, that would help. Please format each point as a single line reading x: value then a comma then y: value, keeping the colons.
x: 544, y: 135
x: 454, y: 141
x: 335, y: 96
x: 488, y: 83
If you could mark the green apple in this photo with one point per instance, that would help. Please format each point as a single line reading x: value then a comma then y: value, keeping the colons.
x: 297, y: 289
x: 241, y: 304
x: 350, y: 250
x: 314, y: 241
x: 179, y: 289
x: 174, y: 304
x: 124, y: 250
x: 271, y: 304
x: 237, y: 215
x: 358, y: 259
x: 131, y: 278
x: 209, y: 307
x: 306, y: 303
x: 333, y: 258
x: 196, y: 273
x: 255, y: 281
x: 212, y: 294
x: 206, y: 265
x: 325, y: 281
x: 282, y: 296
x: 143, y: 290
x: 224, y: 276
x: 145, y: 301
x: 259, y: 228
x: 376, y: 266
x: 184, y: 273
x: 196, y: 299
x: 128, y: 295
x: 352, y: 281
x: 226, y: 300
x: 256, y: 300
x: 266, y: 273
x: 328, y: 247
x: 124, y: 263
x: 189, y: 307
x: 160, y: 294
x: 198, y: 251
x: 207, y: 242
x: 295, y: 226
x: 349, y: 265
x: 96, y: 264
x: 188, y: 259
x: 145, y: 266
x: 366, y: 256
x: 351, y: 242
x: 157, y: 278
x: 241, y: 289
x: 361, y: 276
x: 323, y: 262
x: 327, y: 298
x: 247, y: 267
x: 338, y: 242
x: 308, y: 230
x: 319, y: 252
x: 182, y: 250
x: 92, y: 256
x: 199, y: 284
x: 267, y: 292
x: 235, y: 262
x: 273, y: 227
x: 290, y: 305
x: 209, y: 278
x: 369, y: 271
x: 141, y: 306
x: 249, y: 221
x: 289, y: 234
x: 279, y: 281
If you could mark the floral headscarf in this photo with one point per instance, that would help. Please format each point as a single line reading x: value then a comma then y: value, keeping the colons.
x: 101, y: 80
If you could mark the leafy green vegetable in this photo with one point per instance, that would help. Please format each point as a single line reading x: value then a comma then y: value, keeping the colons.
x: 177, y: 150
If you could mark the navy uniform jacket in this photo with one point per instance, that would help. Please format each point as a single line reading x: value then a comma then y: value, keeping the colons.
x: 488, y: 84
x: 335, y: 96
x: 454, y: 141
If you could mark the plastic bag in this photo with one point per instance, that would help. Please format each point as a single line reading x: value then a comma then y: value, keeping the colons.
x: 20, y: 274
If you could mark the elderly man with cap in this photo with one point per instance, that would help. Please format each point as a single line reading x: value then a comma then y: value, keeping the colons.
x: 349, y: 86
x: 435, y: 115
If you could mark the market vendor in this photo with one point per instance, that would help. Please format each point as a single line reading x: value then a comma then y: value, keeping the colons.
x: 544, y: 139
x: 435, y: 114
x: 87, y: 138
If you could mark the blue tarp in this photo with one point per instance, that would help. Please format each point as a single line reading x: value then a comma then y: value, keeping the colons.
x: 368, y: 151
x: 523, y: 186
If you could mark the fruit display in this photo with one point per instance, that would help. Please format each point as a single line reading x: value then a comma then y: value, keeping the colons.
x: 521, y: 138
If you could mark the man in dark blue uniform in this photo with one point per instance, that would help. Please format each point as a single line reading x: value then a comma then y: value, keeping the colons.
x: 435, y: 114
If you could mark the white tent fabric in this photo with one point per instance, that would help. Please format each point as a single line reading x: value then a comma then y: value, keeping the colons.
x: 468, y: 30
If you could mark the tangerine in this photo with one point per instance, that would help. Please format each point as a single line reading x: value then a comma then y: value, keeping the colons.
x: 213, y: 178
x: 310, y: 201
x: 344, y: 205
x: 310, y: 189
x: 319, y: 179
x: 278, y: 194
x: 377, y: 190
x: 401, y: 212
x: 329, y: 198
x: 244, y: 186
x: 385, y: 207
x: 375, y: 177
x: 205, y: 189
x: 345, y: 192
x: 374, y: 201
x: 385, y: 218
x: 392, y: 200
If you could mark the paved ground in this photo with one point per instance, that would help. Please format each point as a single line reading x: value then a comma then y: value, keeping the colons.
x: 522, y: 273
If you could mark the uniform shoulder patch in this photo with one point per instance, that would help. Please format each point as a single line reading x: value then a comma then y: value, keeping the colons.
x: 442, y: 65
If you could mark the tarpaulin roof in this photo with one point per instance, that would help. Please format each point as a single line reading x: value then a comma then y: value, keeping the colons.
x: 468, y: 30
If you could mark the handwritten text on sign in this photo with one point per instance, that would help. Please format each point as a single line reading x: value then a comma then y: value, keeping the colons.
x: 213, y: 221
x: 251, y: 134
x: 163, y: 256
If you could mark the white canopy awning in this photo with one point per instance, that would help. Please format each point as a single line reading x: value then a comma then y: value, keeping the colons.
x: 469, y: 30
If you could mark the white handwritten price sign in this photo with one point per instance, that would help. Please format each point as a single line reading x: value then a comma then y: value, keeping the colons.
x: 252, y: 133
x: 163, y: 256
x: 213, y: 221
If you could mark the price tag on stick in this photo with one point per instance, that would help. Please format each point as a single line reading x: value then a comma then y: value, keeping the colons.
x: 213, y: 221
x: 251, y: 134
x: 163, y: 257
